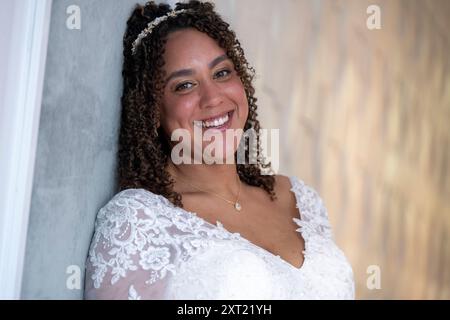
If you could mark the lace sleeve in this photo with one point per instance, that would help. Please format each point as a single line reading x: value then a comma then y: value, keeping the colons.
x: 130, y: 256
x: 314, y: 214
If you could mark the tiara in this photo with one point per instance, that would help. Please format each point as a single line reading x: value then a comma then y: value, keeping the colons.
x: 152, y: 25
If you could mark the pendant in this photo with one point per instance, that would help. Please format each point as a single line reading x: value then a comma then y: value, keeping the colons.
x: 237, y: 206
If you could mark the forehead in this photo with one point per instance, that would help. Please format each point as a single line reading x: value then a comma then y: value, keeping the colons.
x: 188, y: 48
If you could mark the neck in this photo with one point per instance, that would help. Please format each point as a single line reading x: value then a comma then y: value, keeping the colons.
x: 219, y: 178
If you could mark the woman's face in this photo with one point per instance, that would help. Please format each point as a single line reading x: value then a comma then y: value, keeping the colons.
x: 202, y: 90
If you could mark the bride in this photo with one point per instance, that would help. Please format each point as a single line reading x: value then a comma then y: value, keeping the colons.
x: 201, y: 230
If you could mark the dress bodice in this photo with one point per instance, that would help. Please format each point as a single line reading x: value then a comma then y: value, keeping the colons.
x: 144, y: 247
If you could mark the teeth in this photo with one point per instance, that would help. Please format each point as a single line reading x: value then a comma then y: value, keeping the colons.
x: 215, y: 122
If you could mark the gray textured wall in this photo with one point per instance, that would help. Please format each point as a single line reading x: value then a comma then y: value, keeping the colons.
x: 75, y: 161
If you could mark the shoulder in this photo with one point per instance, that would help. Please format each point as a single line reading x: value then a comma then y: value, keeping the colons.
x: 132, y: 213
x: 129, y: 204
x: 138, y: 197
x: 286, y: 185
x: 302, y: 190
x: 282, y: 181
x: 282, y: 188
x: 140, y: 210
x: 308, y: 200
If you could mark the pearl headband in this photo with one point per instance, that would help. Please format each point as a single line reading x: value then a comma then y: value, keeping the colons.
x: 152, y: 25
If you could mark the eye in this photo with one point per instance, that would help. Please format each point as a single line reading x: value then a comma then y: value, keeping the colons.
x: 183, y: 86
x: 222, y: 73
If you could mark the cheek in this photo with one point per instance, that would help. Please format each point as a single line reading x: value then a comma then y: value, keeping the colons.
x: 177, y: 112
x: 237, y: 92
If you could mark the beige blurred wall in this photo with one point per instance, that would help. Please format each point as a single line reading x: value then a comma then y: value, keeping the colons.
x: 364, y: 118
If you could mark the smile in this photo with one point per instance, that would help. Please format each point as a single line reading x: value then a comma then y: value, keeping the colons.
x: 219, y: 122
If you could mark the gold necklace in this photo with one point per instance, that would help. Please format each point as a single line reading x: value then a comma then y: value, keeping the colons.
x: 237, y: 206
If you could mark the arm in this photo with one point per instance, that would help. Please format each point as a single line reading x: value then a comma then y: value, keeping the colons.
x: 130, y: 256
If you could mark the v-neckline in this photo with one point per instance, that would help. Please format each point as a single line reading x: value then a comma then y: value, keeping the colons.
x: 304, y: 253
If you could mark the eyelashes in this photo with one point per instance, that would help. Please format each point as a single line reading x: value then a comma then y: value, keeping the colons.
x: 219, y: 74
x: 181, y: 87
x: 226, y: 70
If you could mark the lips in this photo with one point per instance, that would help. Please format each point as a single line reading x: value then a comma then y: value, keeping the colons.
x: 216, y: 122
x: 217, y: 116
x: 209, y: 123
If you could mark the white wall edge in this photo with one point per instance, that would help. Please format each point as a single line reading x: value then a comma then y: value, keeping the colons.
x: 21, y: 99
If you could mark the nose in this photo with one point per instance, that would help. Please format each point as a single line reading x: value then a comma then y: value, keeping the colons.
x: 211, y: 95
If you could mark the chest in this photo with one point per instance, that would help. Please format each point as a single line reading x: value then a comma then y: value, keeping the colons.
x: 265, y: 223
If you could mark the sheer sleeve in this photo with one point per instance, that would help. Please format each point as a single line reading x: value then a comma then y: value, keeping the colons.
x: 314, y: 215
x: 130, y: 256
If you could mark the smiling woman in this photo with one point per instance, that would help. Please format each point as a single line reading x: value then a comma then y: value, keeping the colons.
x: 203, y: 230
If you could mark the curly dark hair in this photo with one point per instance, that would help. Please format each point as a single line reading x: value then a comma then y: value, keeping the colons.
x: 143, y: 147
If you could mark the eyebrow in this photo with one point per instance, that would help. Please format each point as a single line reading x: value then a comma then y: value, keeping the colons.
x: 189, y: 72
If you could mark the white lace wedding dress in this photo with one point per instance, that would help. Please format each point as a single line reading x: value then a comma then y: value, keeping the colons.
x: 144, y: 247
